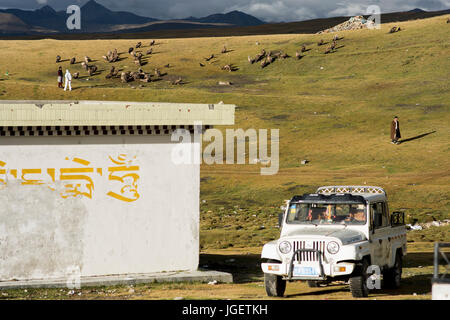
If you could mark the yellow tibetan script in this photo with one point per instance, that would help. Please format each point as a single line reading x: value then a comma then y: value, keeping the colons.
x: 79, y: 180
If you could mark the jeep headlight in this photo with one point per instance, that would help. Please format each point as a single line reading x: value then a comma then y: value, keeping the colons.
x: 333, y: 247
x: 285, y: 247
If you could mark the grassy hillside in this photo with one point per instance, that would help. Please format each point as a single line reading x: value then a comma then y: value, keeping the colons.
x: 334, y: 110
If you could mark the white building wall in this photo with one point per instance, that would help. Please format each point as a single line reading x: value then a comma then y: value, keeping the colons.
x: 70, y: 211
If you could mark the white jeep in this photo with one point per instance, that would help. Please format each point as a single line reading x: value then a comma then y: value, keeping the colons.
x: 340, y: 233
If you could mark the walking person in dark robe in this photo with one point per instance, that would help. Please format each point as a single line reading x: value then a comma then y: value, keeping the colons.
x: 60, y: 78
x: 395, y: 131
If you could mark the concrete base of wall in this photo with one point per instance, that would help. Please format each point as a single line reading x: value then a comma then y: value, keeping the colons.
x: 130, y: 279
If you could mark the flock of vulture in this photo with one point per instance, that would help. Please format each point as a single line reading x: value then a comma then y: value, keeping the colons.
x: 126, y: 76
x: 264, y: 58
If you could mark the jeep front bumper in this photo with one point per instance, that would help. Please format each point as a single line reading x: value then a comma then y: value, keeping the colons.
x: 308, y: 270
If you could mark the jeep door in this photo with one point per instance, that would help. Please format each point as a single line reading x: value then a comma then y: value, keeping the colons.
x: 380, y: 234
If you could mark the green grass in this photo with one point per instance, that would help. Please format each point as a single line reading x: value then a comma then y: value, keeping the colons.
x: 337, y: 116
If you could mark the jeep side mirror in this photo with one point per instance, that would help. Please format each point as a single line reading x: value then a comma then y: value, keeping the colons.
x: 280, y: 219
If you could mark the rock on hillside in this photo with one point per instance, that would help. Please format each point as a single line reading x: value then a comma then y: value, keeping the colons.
x: 354, y: 23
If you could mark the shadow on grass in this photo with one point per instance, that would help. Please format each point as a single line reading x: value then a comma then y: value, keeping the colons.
x: 418, y: 259
x: 416, y: 137
x: 244, y: 268
x: 418, y: 284
x: 247, y: 268
x: 314, y: 292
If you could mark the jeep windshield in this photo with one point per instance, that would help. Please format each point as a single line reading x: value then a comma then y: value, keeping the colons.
x: 327, y: 214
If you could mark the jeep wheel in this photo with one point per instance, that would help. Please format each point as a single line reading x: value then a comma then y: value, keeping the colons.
x: 392, y: 277
x: 275, y: 285
x: 358, y: 283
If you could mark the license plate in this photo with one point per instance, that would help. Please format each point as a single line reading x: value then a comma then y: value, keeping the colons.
x: 305, y: 271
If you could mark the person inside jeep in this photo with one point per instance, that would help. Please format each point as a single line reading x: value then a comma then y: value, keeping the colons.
x: 327, y: 213
x: 356, y: 214
x: 319, y: 214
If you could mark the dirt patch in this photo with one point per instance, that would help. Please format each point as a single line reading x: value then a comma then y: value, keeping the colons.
x: 172, y: 77
x: 237, y: 82
x: 381, y: 86
x: 406, y: 106
x: 282, y: 42
x: 32, y: 79
x: 297, y: 186
x: 278, y: 117
x: 220, y: 89
x: 431, y: 109
x: 344, y: 78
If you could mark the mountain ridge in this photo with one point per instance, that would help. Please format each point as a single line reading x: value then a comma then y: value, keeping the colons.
x: 188, y: 27
x: 233, y: 17
x: 97, y: 18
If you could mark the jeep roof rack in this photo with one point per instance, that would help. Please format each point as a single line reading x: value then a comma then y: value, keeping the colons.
x: 351, y: 189
x: 332, y: 198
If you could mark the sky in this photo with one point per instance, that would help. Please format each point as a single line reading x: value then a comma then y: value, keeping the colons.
x: 267, y: 10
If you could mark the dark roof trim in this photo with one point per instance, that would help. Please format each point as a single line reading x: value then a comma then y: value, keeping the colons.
x: 332, y: 198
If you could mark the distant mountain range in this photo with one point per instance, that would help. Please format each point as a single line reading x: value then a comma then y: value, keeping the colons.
x: 98, y: 22
x: 416, y: 10
x: 97, y: 18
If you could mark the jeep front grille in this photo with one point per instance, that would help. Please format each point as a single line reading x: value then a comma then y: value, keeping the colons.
x: 309, y: 256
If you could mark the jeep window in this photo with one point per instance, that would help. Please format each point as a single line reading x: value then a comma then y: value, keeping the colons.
x: 379, y: 208
x: 330, y: 214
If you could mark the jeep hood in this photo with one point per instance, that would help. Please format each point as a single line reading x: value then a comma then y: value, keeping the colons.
x: 346, y: 236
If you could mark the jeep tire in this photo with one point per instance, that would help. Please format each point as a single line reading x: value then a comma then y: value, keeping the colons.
x: 358, y: 281
x: 275, y: 285
x: 392, y: 277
